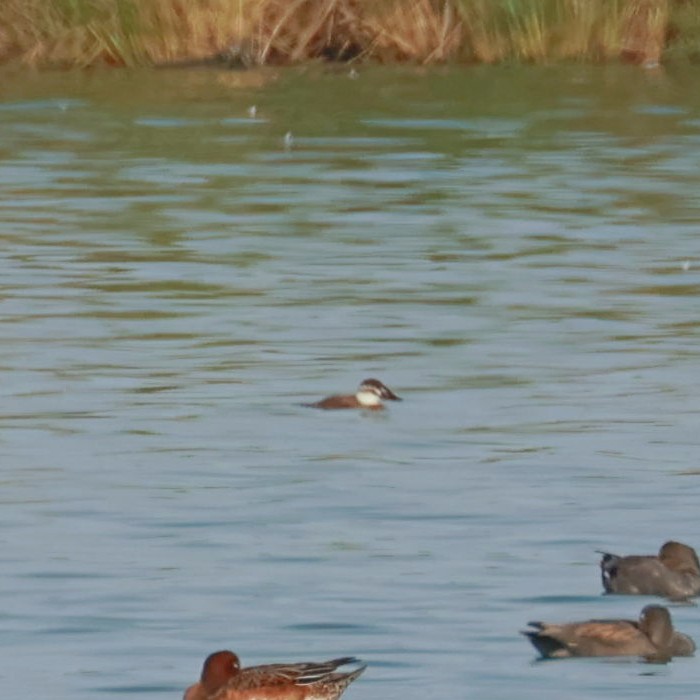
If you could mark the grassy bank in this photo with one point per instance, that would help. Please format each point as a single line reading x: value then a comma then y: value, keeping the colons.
x: 258, y: 32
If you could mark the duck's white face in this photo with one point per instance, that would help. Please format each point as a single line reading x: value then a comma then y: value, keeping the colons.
x: 368, y: 397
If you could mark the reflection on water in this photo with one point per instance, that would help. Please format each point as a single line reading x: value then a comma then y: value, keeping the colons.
x: 514, y: 251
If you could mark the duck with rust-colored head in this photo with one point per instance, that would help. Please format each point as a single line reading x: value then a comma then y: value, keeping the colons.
x: 672, y: 573
x: 223, y: 679
x: 651, y: 637
x: 370, y: 395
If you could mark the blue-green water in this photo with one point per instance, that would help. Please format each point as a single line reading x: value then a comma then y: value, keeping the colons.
x: 516, y: 252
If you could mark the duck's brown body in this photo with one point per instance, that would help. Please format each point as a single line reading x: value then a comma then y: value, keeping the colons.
x: 673, y: 573
x: 652, y: 637
x: 224, y: 679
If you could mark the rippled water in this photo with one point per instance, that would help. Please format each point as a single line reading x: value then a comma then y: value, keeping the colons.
x: 514, y: 251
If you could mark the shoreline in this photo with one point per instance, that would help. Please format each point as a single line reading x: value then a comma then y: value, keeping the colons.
x: 241, y: 34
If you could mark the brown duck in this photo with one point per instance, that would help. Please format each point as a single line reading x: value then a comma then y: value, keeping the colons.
x: 673, y: 573
x: 652, y: 637
x: 223, y: 679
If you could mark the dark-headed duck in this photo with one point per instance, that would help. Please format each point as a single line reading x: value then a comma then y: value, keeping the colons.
x: 224, y: 679
x: 652, y: 637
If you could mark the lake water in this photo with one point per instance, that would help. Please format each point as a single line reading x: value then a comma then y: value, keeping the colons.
x: 514, y: 251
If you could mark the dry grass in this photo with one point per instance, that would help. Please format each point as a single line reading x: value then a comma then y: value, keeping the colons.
x: 175, y: 30
x: 644, y: 31
x: 134, y: 32
x: 289, y: 31
x: 554, y: 30
x: 683, y: 30
x: 423, y: 31
x: 70, y: 32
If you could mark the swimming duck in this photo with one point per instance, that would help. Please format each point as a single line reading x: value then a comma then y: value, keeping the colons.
x: 369, y: 395
x: 652, y: 637
x: 673, y: 573
x: 223, y: 679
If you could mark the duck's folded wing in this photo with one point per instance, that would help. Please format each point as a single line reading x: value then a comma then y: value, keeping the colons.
x: 610, y: 638
x: 288, y: 674
x: 612, y: 633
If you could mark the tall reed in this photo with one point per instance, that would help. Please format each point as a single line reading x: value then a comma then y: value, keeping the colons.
x: 249, y: 32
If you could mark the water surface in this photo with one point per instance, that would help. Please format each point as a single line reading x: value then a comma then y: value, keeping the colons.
x: 513, y: 251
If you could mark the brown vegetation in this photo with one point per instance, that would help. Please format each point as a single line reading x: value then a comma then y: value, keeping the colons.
x: 258, y: 32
